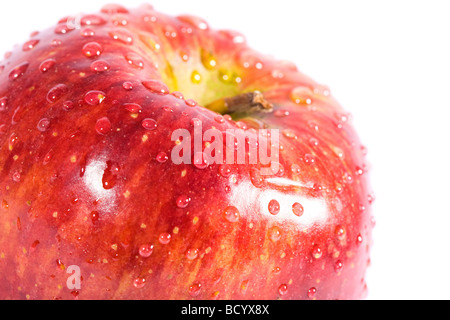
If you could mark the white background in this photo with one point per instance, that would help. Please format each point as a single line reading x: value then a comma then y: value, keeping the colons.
x: 388, y: 63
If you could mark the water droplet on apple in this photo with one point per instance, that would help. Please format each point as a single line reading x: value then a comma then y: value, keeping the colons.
x: 146, y: 250
x: 195, y: 289
x: 338, y: 266
x: 43, y: 125
x: 309, y: 159
x: 219, y: 119
x: 127, y: 85
x: 56, y: 42
x: 256, y: 178
x: 87, y: 32
x: 18, y: 70
x: 149, y: 124
x: 139, y: 282
x: 190, y: 102
x: 183, y: 201
x: 94, y: 97
x: 132, y: 107
x: 340, y: 232
x: 3, y: 104
x: 94, y: 216
x: 103, y: 126
x: 16, y: 176
x: 92, y: 20
x: 281, y: 113
x: 63, y: 28
x: 283, y: 289
x: 46, y: 65
x: 67, y: 105
x: 134, y: 60
x: 122, y: 35
x: 99, y: 66
x: 244, y: 286
x: 274, y: 207
x: 297, y: 209
x: 192, y: 254
x: 156, y: 87
x: 290, y: 134
x: 225, y: 170
x: 57, y: 92
x: 231, y: 213
x: 316, y: 252
x: 92, y: 49
x: 196, y: 22
x: 312, y: 292
x: 302, y: 96
x: 359, y: 239
x: 275, y: 234
x: 200, y: 161
x: 164, y: 238
x: 162, y: 157
x: 29, y: 45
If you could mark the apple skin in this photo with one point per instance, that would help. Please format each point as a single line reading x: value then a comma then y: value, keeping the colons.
x: 83, y: 181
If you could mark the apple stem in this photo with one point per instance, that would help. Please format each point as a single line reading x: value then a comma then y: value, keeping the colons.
x: 249, y: 102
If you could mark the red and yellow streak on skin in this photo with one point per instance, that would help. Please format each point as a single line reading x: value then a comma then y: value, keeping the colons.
x: 76, y: 191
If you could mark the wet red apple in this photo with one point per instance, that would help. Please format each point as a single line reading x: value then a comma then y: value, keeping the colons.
x: 93, y: 205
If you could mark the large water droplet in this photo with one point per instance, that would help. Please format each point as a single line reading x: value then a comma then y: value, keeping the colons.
x: 146, y: 250
x: 301, y: 95
x: 43, y: 124
x: 297, y: 209
x: 57, y: 92
x: 18, y: 70
x: 164, y: 238
x: 275, y: 234
x: 312, y: 292
x: 103, y: 126
x: 338, y: 266
x: 99, y: 66
x: 162, y: 157
x: 196, y: 22
x: 200, y: 160
x: 340, y: 232
x: 274, y: 207
x: 92, y: 20
x: 231, y: 213
x: 139, y: 282
x: 149, y: 124
x: 122, y: 35
x: 46, y: 65
x: 195, y: 289
x: 3, y: 104
x: 283, y: 289
x: 94, y: 97
x: 27, y: 46
x: 192, y: 254
x: 134, y: 60
x: 92, y: 49
x: 156, y: 87
x: 132, y: 107
x: 87, y: 32
x: 127, y: 85
x: 183, y: 201
x: 316, y: 252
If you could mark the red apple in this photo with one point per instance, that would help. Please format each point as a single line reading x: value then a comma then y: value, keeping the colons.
x: 94, y: 207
